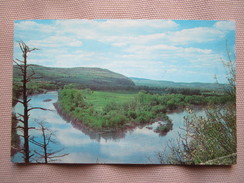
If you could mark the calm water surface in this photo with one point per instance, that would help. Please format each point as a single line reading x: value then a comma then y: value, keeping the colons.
x: 134, y: 146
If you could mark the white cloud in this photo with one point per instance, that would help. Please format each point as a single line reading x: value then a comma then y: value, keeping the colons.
x: 198, y: 35
x: 117, y: 32
x: 31, y: 25
x: 225, y: 25
x: 198, y: 50
x: 24, y: 25
x: 149, y: 48
x: 121, y: 41
x: 119, y: 44
x: 122, y: 149
x: 72, y: 137
x: 78, y: 157
x: 55, y: 41
x: 38, y: 61
x: 146, y: 48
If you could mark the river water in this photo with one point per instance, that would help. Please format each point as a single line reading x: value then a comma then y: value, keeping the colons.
x: 136, y: 146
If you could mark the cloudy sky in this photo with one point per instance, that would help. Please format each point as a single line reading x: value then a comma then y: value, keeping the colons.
x: 173, y: 50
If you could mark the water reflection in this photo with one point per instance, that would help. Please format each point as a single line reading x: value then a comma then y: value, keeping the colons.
x: 132, y: 146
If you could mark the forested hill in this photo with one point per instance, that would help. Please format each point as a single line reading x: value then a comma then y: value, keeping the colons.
x: 104, y: 79
x: 171, y: 84
x: 86, y: 76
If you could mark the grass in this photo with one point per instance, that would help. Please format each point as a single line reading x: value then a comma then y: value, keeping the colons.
x: 100, y: 99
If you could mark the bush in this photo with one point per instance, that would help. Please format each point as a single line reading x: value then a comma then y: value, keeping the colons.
x: 115, y: 118
x: 164, y: 128
x: 209, y: 139
x: 159, y: 109
x: 112, y: 106
x: 144, y: 117
x: 132, y: 114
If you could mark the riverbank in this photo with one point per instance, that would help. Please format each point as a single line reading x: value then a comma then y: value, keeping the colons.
x: 106, y: 130
x: 107, y: 111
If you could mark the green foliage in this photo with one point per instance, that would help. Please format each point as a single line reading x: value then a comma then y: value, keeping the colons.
x: 16, y: 92
x: 114, y: 110
x: 71, y: 100
x: 210, y: 139
x: 214, y: 136
x: 164, y: 128
x: 115, y: 118
x: 70, y: 86
x: 144, y: 116
x: 33, y: 87
x: 170, y: 87
x: 159, y: 109
x: 40, y: 87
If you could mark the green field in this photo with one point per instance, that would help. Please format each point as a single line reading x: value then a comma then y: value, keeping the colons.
x: 100, y: 99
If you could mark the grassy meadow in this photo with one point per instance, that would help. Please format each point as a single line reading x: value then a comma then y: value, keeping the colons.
x: 100, y: 99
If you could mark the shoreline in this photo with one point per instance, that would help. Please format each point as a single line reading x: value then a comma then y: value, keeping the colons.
x: 81, y: 126
x: 78, y: 124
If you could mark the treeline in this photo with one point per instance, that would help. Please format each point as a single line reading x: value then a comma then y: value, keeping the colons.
x: 33, y: 87
x: 36, y: 86
x: 143, y: 108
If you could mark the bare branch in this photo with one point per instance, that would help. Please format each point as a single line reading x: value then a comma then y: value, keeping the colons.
x: 21, y: 61
x: 59, y: 156
x: 44, y: 109
x: 20, y: 66
x: 21, y: 115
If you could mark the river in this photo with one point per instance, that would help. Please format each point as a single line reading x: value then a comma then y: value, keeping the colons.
x: 135, y: 146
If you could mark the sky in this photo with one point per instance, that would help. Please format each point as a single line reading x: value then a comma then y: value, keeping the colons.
x: 172, y: 50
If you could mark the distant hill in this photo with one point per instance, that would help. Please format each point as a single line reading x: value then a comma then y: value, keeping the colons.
x: 98, y: 78
x: 171, y: 84
x: 87, y: 76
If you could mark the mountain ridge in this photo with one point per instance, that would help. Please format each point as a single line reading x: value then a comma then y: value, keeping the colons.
x: 87, y: 76
x: 173, y: 84
x: 95, y: 77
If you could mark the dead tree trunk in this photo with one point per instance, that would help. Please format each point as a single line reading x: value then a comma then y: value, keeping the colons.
x: 25, y: 78
x: 44, y: 143
x: 26, y: 116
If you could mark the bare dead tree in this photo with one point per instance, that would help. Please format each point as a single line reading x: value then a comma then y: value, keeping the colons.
x: 26, y: 73
x: 47, y: 138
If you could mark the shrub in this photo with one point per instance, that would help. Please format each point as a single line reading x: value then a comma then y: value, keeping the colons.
x: 132, y: 114
x: 144, y: 116
x: 159, y: 109
x: 112, y: 106
x: 164, y: 128
x: 115, y: 118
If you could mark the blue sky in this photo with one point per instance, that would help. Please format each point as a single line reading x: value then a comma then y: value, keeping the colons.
x: 173, y: 50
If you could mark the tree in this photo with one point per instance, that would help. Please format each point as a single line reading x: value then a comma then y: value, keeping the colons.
x: 209, y: 139
x: 230, y: 66
x: 26, y: 74
x: 47, y: 137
